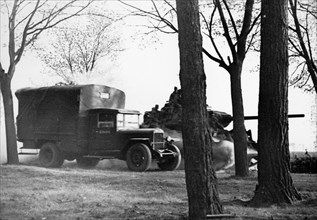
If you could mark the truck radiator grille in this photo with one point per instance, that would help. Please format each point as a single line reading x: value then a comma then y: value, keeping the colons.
x: 158, y: 140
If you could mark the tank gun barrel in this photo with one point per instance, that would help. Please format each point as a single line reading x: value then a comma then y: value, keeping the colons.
x: 289, y: 116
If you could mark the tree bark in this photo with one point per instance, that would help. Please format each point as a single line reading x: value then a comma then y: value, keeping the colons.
x: 275, y: 184
x: 239, y: 132
x: 12, y: 151
x: 201, y: 180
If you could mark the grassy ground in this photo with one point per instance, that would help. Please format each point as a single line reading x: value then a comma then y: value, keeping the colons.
x: 110, y: 191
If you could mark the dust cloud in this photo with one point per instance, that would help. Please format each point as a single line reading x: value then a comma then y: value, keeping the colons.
x: 223, y: 153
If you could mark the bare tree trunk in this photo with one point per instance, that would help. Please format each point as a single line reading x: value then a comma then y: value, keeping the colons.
x: 239, y: 133
x: 234, y: 68
x: 12, y: 152
x: 201, y: 181
x: 275, y: 184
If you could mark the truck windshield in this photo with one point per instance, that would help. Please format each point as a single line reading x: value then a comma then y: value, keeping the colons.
x: 127, y: 121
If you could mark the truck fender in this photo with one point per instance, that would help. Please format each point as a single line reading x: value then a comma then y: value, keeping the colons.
x: 133, y: 141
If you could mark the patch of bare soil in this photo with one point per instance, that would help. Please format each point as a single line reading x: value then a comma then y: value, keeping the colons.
x: 111, y: 191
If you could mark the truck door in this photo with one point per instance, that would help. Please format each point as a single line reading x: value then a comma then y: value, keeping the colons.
x: 103, y: 134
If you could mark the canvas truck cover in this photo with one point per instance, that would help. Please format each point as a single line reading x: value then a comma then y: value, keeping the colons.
x: 56, y: 109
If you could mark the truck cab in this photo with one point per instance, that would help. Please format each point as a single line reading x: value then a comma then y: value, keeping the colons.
x: 115, y: 133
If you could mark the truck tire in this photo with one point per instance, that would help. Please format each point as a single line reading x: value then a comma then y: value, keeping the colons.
x: 50, y: 155
x: 171, y: 163
x: 139, y: 157
x: 86, y: 162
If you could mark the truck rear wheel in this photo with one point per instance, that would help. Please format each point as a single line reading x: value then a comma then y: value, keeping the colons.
x: 170, y: 162
x: 50, y: 155
x: 86, y: 162
x: 139, y: 157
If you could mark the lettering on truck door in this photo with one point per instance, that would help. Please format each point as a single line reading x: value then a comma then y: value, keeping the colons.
x: 103, y: 133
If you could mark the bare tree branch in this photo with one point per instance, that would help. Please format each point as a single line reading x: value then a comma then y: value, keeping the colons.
x: 303, y: 50
x: 153, y: 15
x: 246, y: 27
x: 226, y: 30
x: 12, y: 19
x: 24, y: 35
x: 233, y: 22
x: 209, y: 25
x: 32, y: 30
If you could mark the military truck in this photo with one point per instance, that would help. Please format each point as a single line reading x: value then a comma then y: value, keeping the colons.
x: 89, y: 123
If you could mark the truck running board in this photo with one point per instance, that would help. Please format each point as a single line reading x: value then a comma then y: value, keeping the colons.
x: 27, y: 153
x: 24, y: 151
x: 99, y: 157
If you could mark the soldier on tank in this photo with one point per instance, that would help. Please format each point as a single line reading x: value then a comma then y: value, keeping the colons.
x: 175, y: 101
x: 174, y: 96
x: 154, y: 117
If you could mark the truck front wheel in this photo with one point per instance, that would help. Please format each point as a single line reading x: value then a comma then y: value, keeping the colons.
x: 85, y: 162
x: 139, y: 157
x: 50, y: 155
x: 171, y: 162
